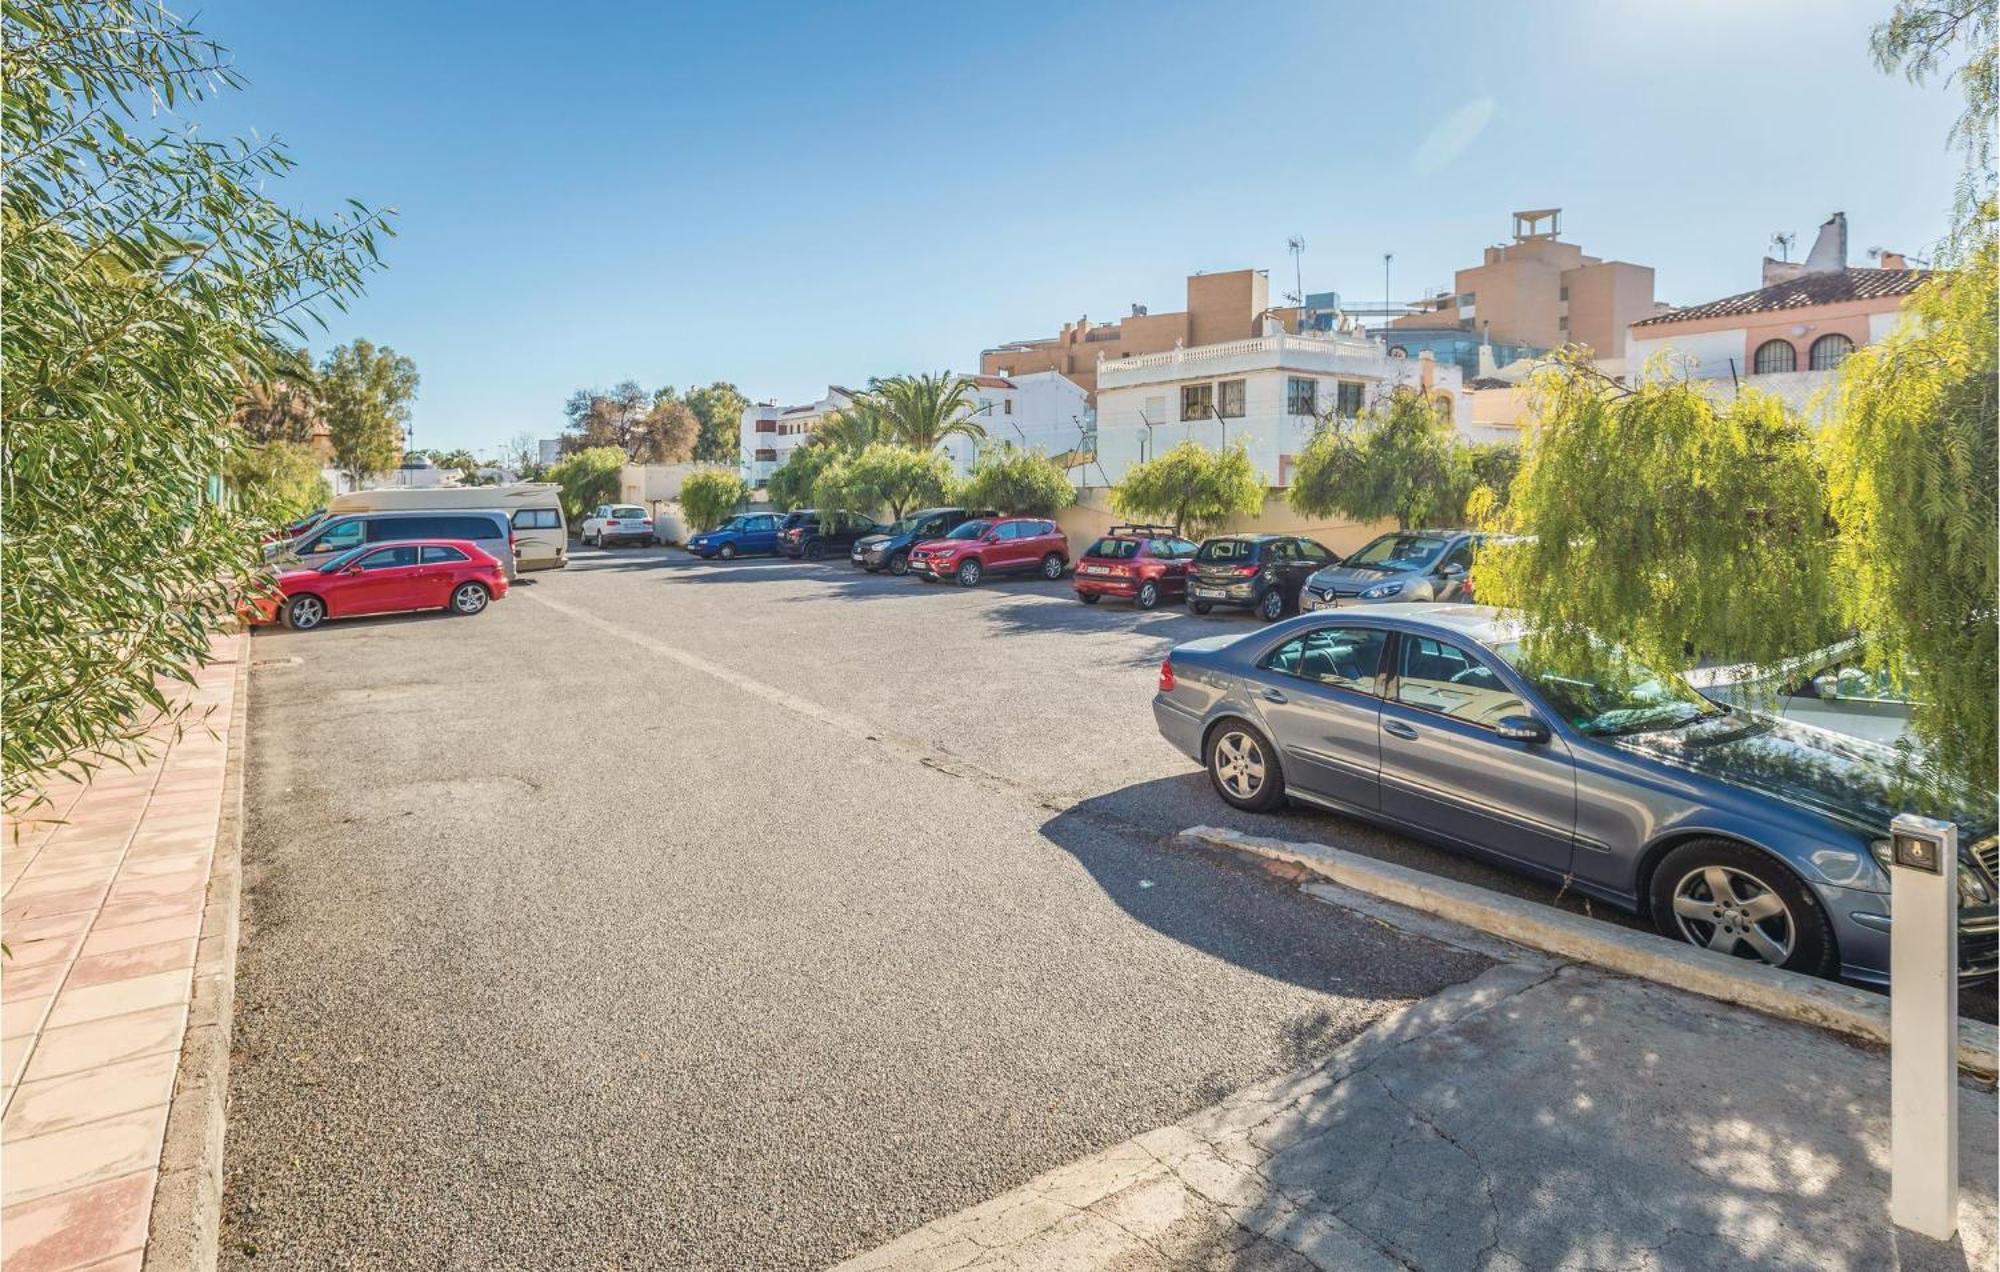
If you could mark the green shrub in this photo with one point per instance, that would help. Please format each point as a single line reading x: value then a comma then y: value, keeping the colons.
x: 710, y: 496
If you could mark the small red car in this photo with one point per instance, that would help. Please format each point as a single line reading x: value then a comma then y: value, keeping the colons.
x: 453, y: 575
x: 1142, y: 563
x: 1010, y: 545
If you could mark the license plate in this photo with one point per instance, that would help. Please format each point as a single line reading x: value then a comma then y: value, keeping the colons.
x: 1210, y: 591
x: 1096, y: 569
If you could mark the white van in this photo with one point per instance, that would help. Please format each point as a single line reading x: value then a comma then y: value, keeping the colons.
x: 541, y: 536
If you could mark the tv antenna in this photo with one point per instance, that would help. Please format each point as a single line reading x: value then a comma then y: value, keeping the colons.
x: 1296, y: 245
x: 1783, y: 241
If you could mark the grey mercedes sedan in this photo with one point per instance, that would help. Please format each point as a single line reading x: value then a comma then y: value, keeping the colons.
x: 1749, y: 835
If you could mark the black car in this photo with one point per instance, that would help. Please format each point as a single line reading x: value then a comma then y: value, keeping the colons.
x: 1258, y: 572
x: 811, y: 536
x: 890, y: 550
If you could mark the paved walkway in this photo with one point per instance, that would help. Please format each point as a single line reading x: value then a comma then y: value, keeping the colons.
x: 104, y: 893
x: 1540, y: 1116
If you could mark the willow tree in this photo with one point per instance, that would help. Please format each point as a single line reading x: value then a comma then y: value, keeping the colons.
x: 882, y: 476
x: 1017, y: 482
x: 1680, y: 526
x: 1403, y: 459
x: 710, y: 496
x: 150, y: 276
x: 791, y: 486
x: 1193, y: 487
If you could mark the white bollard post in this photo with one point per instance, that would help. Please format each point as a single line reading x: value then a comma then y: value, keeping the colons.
x: 1923, y: 1027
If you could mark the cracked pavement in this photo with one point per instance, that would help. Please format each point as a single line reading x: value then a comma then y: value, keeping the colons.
x: 1542, y: 1115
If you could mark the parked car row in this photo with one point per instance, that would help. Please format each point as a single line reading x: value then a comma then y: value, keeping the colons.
x: 1747, y: 834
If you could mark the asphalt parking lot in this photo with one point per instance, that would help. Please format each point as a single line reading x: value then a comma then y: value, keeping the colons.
x: 744, y: 915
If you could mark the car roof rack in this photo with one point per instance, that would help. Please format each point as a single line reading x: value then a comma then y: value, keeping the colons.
x: 1143, y: 530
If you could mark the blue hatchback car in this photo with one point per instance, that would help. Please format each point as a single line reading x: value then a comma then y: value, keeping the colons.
x: 1749, y: 835
x: 751, y: 534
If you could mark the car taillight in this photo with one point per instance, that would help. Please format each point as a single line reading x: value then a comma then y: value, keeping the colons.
x: 1166, y: 675
x: 1245, y: 570
x: 612, y: 522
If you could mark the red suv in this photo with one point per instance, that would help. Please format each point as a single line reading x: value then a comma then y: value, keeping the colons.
x: 979, y: 548
x: 1144, y: 563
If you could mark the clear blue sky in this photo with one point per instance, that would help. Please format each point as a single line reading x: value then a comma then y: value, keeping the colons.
x: 790, y: 195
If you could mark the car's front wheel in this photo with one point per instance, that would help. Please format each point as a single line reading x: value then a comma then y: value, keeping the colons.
x: 468, y: 598
x: 1732, y: 899
x: 304, y: 613
x: 899, y: 564
x: 727, y: 552
x: 1243, y: 767
x: 970, y: 572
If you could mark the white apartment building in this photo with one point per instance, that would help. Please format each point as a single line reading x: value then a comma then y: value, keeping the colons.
x: 1045, y: 411
x: 1269, y: 392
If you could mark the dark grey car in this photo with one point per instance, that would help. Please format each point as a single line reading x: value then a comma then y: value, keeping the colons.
x: 1738, y: 832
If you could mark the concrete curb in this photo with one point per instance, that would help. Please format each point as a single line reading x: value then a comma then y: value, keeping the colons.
x: 1787, y: 995
x: 185, y: 1228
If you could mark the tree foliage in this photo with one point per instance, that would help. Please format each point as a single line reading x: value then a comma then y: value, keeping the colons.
x: 281, y: 404
x: 277, y: 482
x: 366, y: 391
x: 1403, y: 459
x: 710, y: 496
x: 650, y: 428
x: 1018, y: 483
x: 1193, y: 487
x: 149, y: 276
x: 1919, y: 38
x: 921, y: 411
x: 791, y: 485
x: 588, y: 478
x: 719, y: 411
x: 854, y: 429
x: 1678, y: 527
x: 881, y: 476
x: 1911, y: 461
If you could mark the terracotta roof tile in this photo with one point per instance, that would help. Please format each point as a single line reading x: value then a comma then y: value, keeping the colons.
x: 1801, y: 292
x: 991, y: 381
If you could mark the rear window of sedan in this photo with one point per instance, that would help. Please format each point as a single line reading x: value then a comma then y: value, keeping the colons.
x: 1228, y: 550
x: 1114, y: 549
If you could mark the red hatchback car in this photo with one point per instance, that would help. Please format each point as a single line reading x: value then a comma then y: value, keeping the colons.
x: 1011, y: 545
x: 448, y: 574
x: 1139, y: 563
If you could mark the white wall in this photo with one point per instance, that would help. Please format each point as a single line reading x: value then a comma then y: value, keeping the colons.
x: 1704, y: 355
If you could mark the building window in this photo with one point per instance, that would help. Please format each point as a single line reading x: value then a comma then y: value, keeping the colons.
x: 766, y: 455
x: 1007, y: 406
x: 1562, y: 323
x: 1301, y: 396
x: 1231, y: 394
x: 1348, y: 404
x: 1562, y: 293
x: 1774, y: 356
x: 1468, y: 299
x: 1197, y: 401
x: 1829, y: 351
x: 767, y: 426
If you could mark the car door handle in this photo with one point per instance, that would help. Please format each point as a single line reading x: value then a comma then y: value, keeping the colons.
x: 1399, y: 729
x: 1274, y: 695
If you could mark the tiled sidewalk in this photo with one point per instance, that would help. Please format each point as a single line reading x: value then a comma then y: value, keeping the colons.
x: 104, y: 892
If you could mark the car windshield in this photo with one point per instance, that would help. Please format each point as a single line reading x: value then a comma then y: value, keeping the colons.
x: 908, y: 525
x: 341, y: 559
x: 1609, y: 693
x: 1114, y: 549
x: 970, y: 530
x: 1400, y: 553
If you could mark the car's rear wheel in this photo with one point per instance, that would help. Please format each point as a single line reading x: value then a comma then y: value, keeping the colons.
x: 1052, y: 566
x: 970, y: 572
x: 468, y: 598
x: 815, y: 551
x: 1272, y: 607
x: 1149, y: 595
x: 899, y: 564
x: 1200, y: 607
x: 305, y: 612
x: 1088, y: 598
x: 1732, y: 899
x: 1243, y: 767
x: 727, y: 552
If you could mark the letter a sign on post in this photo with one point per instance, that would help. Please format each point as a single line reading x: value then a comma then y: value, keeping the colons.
x: 1923, y: 1027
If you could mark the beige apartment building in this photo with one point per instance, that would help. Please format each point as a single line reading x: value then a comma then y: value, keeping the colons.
x: 1542, y: 292
x: 1220, y: 307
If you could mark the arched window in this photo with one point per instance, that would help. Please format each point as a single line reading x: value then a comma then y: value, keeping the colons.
x: 1774, y: 355
x: 1829, y: 351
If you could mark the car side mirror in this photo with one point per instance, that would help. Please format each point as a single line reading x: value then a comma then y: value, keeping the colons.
x: 352, y: 569
x: 1522, y: 728
x: 1452, y: 571
x: 991, y: 536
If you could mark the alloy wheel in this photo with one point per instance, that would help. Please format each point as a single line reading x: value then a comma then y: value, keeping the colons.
x: 469, y: 599
x: 1052, y: 566
x: 307, y: 613
x: 1273, y: 605
x: 1734, y: 912
x: 1239, y: 764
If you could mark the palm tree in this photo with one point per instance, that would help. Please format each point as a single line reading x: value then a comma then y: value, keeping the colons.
x: 280, y: 407
x: 921, y: 411
x: 855, y: 428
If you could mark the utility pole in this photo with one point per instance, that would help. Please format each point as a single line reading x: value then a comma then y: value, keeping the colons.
x: 1388, y: 295
x: 1297, y: 246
